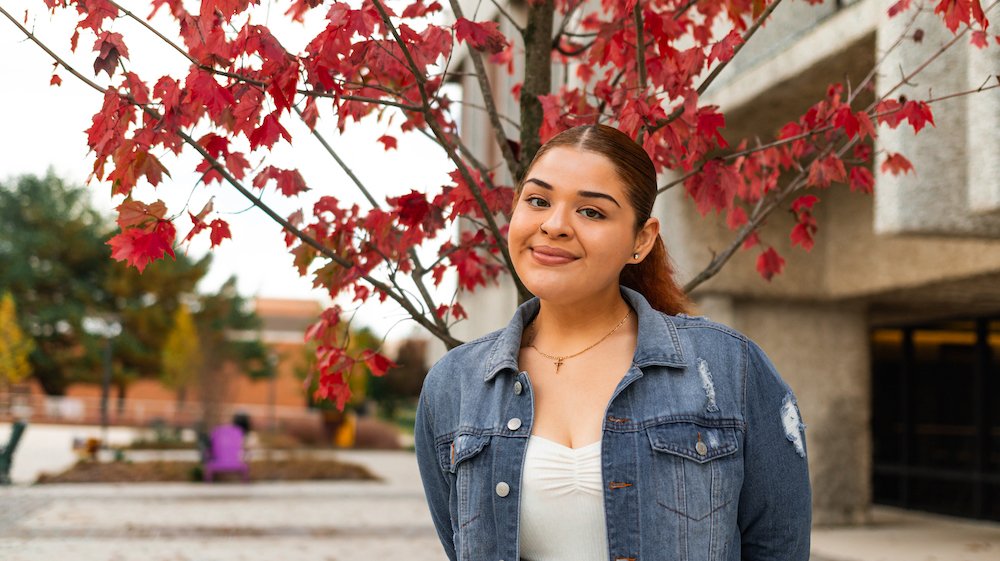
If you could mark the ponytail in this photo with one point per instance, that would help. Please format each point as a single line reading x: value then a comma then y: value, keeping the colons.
x: 653, y: 277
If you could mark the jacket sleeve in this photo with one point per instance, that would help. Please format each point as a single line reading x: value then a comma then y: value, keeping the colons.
x: 775, y: 510
x: 437, y: 486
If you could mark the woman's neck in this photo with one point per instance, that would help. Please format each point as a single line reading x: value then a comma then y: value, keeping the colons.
x: 567, y: 326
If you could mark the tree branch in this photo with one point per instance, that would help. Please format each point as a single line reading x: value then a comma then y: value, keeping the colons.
x: 640, y: 55
x: 491, y: 109
x: 504, y: 13
x: 443, y: 141
x: 719, y: 67
x: 305, y: 238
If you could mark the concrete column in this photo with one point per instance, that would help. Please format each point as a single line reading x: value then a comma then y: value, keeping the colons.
x: 983, y: 132
x: 822, y: 352
x: 935, y: 199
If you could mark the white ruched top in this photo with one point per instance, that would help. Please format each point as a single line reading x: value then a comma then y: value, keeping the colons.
x: 562, y: 503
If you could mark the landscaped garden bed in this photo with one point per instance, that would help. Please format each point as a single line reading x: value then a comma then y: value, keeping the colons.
x: 293, y: 469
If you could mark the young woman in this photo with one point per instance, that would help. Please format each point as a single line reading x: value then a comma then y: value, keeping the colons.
x: 604, y: 423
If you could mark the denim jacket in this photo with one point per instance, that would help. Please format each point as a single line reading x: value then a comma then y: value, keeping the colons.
x: 703, y: 453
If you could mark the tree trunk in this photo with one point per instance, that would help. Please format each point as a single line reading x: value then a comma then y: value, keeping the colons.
x: 537, y: 77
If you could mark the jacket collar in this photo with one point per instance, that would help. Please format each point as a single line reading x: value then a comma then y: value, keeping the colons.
x: 657, y: 341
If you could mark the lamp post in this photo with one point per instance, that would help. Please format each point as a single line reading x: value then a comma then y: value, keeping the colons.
x: 106, y: 326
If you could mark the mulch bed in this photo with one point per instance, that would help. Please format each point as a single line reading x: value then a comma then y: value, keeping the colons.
x: 158, y: 471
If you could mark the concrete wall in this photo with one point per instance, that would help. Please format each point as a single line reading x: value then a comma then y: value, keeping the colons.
x: 955, y: 190
x: 821, y: 350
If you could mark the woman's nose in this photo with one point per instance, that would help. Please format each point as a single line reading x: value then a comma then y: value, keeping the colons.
x: 556, y: 224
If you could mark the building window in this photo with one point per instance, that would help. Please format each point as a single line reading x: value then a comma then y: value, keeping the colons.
x: 936, y: 417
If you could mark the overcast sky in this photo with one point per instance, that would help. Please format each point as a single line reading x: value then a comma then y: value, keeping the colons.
x: 42, y: 126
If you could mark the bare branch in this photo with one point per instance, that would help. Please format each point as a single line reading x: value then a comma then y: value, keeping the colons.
x: 640, y: 55
x: 486, y: 90
x: 449, y: 148
x: 510, y: 121
x: 683, y: 9
x: 504, y: 13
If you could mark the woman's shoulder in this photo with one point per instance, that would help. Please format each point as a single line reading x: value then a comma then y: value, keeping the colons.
x: 703, y: 326
x: 468, y: 357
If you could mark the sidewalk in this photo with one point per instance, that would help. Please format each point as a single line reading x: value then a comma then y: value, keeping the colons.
x: 327, y: 521
x: 227, y: 522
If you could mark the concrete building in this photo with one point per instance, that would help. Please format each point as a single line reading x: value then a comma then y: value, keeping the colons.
x: 888, y: 329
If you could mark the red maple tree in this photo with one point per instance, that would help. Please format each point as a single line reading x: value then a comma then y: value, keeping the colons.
x: 639, y: 64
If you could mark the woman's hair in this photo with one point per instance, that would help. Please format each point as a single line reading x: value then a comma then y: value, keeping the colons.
x: 654, y: 276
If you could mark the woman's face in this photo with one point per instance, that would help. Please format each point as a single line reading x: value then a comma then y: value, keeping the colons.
x: 572, y: 228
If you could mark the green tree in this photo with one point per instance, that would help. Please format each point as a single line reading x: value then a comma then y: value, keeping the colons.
x: 181, y: 355
x: 15, y: 346
x: 401, y: 383
x: 53, y: 260
x: 146, y: 305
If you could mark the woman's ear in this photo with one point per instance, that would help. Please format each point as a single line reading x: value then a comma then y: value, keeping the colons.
x: 646, y: 236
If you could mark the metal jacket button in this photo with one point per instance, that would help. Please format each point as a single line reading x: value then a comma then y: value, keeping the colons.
x: 514, y: 423
x: 503, y: 489
x: 517, y: 387
x: 701, y: 448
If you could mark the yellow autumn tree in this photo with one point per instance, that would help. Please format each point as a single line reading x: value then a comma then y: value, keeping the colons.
x: 181, y: 355
x: 15, y: 345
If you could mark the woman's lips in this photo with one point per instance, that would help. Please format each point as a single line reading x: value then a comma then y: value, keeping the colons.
x: 549, y: 259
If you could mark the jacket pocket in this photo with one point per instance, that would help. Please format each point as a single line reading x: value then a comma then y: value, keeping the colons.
x: 695, y: 468
x: 452, y: 453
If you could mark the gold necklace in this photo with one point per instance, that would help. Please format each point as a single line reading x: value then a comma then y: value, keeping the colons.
x: 559, y: 359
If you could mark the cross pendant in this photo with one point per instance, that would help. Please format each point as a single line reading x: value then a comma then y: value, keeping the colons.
x: 558, y: 364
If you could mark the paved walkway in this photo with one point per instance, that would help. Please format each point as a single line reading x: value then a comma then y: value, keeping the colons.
x: 322, y: 521
x: 330, y: 521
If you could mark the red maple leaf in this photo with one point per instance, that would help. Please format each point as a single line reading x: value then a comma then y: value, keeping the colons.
x: 955, y: 12
x: 482, y: 36
x: 769, y: 263
x: 724, y: 49
x: 889, y: 112
x: 896, y: 164
x: 268, y: 132
x: 141, y: 246
x: 237, y: 164
x: 918, y: 114
x: 109, y: 48
x: 290, y: 181
x: 132, y: 213
x: 709, y: 123
x: 203, y: 88
x: 899, y: 7
x: 419, y: 10
x: 94, y: 13
x: 845, y: 119
x: 826, y: 170
x: 220, y: 231
x: 736, y: 217
x: 376, y: 362
x: 412, y: 207
x: 311, y: 113
x: 802, y: 233
x: 805, y: 202
x: 387, y: 141
x: 862, y: 179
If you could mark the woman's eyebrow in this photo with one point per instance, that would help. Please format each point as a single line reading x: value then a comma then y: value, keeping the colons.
x: 591, y: 194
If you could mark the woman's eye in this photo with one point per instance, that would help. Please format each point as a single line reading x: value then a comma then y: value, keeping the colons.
x: 529, y: 199
x: 596, y: 214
